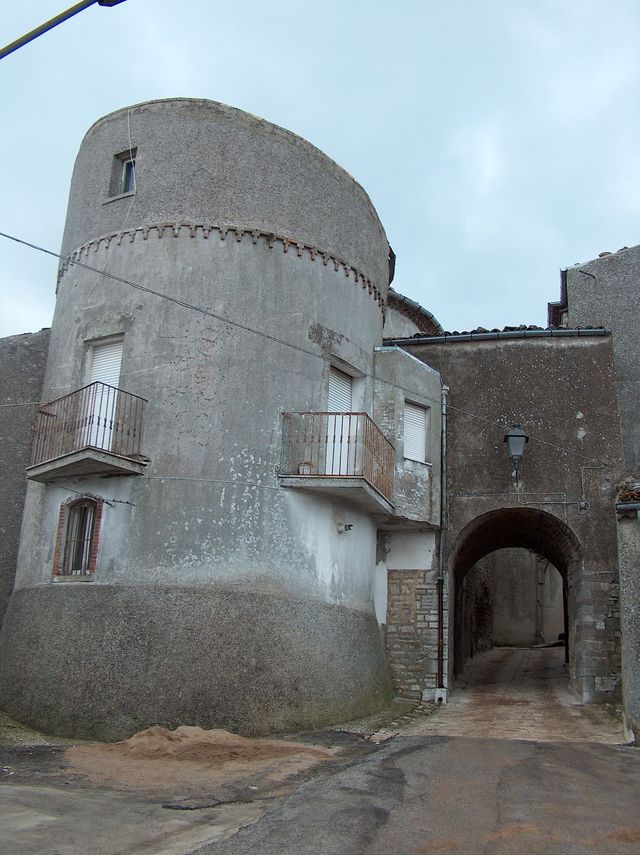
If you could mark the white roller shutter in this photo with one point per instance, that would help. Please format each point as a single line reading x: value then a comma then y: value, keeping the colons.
x: 339, y: 392
x: 415, y: 432
x: 100, y: 427
x: 105, y: 363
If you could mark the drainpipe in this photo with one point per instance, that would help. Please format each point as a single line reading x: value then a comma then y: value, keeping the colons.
x: 441, y: 691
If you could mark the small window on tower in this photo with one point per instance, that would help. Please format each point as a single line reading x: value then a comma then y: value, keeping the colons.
x: 129, y: 176
x: 123, y: 173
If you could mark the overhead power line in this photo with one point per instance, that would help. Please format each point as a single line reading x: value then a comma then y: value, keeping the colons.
x: 248, y: 329
x: 49, y: 25
x: 183, y: 303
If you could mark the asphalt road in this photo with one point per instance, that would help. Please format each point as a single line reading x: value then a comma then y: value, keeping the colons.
x: 461, y: 796
x: 513, y: 765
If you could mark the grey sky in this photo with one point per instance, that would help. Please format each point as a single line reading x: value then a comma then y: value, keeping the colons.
x: 498, y: 139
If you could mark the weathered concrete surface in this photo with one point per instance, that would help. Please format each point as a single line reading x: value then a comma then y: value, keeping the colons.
x: 84, y: 660
x: 512, y: 597
x: 517, y: 588
x: 413, y: 796
x: 23, y: 359
x: 249, y: 173
x: 303, y: 274
x: 629, y: 555
x: 604, y: 292
x: 399, y: 378
x: 563, y: 391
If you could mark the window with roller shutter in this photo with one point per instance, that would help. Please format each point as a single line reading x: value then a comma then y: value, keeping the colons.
x: 341, y: 444
x: 340, y: 392
x: 101, y: 429
x: 106, y: 360
x: 415, y: 432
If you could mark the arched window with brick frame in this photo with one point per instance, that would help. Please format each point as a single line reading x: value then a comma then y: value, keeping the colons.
x: 76, y: 551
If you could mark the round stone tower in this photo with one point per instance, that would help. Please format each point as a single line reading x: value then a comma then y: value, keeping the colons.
x: 178, y: 563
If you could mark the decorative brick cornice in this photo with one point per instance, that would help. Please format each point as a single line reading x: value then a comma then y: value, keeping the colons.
x: 237, y: 233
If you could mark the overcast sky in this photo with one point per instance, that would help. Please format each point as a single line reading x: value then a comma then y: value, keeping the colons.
x: 499, y: 140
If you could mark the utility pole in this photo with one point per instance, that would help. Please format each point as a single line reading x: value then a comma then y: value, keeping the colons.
x: 49, y: 25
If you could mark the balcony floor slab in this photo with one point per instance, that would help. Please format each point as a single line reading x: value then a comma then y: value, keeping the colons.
x: 87, y: 461
x: 353, y: 490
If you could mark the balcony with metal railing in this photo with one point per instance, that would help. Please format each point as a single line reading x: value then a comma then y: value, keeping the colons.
x: 96, y: 430
x: 345, y: 455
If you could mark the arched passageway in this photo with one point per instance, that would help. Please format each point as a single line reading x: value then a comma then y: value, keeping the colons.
x: 523, y: 528
x: 511, y: 598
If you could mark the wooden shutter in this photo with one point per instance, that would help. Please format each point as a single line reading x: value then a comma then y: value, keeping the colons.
x: 415, y: 432
x: 339, y: 392
x: 105, y: 363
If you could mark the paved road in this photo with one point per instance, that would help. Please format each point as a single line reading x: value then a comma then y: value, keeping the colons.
x: 460, y: 796
x: 513, y: 693
x: 511, y: 766
x: 36, y: 820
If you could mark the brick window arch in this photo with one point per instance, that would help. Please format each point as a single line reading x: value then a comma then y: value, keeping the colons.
x: 76, y: 551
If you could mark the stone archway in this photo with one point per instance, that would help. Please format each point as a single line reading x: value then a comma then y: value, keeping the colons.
x: 526, y: 528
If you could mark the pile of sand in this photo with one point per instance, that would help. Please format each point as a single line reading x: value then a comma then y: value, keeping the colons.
x: 206, y: 746
x: 189, y: 760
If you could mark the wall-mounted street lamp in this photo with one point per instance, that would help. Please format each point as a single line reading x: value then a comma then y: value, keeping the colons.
x: 516, y: 440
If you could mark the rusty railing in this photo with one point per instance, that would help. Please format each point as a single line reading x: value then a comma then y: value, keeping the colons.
x: 330, y: 445
x: 97, y: 416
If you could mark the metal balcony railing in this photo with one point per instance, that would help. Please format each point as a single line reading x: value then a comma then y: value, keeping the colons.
x: 337, y: 445
x: 97, y: 416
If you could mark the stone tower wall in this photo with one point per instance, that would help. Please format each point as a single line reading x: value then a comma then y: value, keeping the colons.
x: 219, y: 597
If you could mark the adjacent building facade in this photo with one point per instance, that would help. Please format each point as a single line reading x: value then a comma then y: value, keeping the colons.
x: 259, y: 476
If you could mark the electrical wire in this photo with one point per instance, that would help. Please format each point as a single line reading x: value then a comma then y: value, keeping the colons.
x: 68, y: 489
x: 253, y: 331
x: 238, y: 483
x: 503, y: 423
x: 103, y: 272
x: 168, y: 297
x: 23, y: 404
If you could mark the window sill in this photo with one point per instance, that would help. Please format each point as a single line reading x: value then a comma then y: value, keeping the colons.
x: 85, y: 577
x: 119, y: 196
x: 419, y: 462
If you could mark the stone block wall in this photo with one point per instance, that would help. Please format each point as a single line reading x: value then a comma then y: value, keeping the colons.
x: 478, y: 593
x: 412, y: 632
